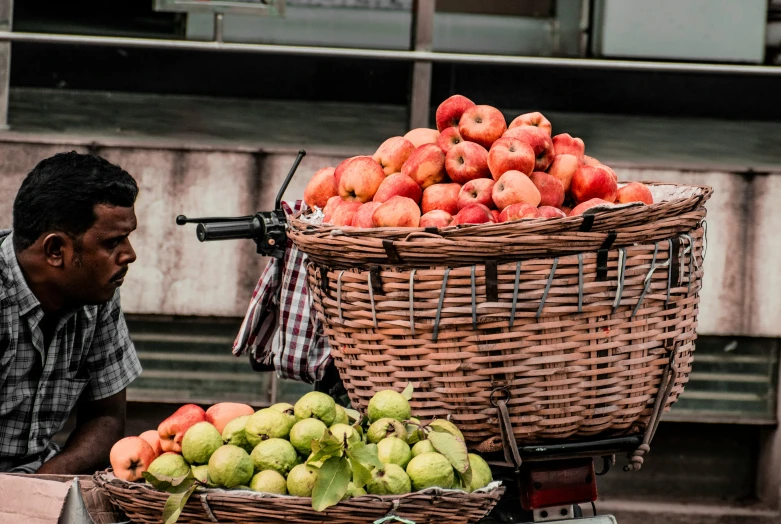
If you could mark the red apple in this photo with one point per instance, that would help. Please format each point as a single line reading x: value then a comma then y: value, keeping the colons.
x: 564, y: 144
x: 153, y: 439
x: 551, y: 190
x: 482, y: 124
x: 473, y: 214
x: 399, y: 211
x: 441, y: 196
x: 510, y: 154
x: 448, y: 138
x: 593, y: 182
x: 320, y: 188
x: 449, y: 112
x: 130, y: 457
x: 496, y: 214
x: 426, y: 165
x: 421, y: 136
x: 541, y: 143
x: 172, y: 429
x: 436, y: 218
x: 514, y: 187
x: 467, y: 161
x: 634, y: 192
x: 588, y: 204
x: 340, y: 169
x: 344, y: 212
x: 590, y: 160
x: 477, y: 192
x: 328, y: 210
x: 563, y: 169
x: 518, y: 211
x: 532, y: 120
x: 609, y: 170
x: 360, y: 179
x: 550, y: 212
x: 398, y: 184
x: 363, y: 217
x: 392, y: 154
x: 220, y: 414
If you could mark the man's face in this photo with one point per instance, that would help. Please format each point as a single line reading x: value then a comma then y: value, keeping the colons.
x: 100, y: 263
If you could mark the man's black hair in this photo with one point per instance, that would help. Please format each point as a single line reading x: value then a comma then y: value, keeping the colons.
x: 61, y: 192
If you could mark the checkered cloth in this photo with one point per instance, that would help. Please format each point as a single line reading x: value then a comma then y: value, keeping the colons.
x: 90, y: 357
x: 281, y: 326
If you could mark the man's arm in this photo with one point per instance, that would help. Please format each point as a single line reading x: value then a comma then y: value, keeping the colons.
x: 99, y: 424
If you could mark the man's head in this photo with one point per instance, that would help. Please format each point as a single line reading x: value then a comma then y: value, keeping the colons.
x: 71, y: 221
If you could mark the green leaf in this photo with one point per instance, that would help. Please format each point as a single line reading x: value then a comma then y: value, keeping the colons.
x: 366, y: 456
x: 325, y: 453
x: 328, y: 439
x: 331, y: 483
x: 407, y: 393
x: 170, y: 484
x: 361, y: 474
x: 175, y: 504
x: 353, y: 414
x: 453, y: 448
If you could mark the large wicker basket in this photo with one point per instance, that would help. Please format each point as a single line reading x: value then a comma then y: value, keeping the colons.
x: 144, y: 504
x: 578, y: 340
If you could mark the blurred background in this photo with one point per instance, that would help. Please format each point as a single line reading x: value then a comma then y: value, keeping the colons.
x: 206, y: 103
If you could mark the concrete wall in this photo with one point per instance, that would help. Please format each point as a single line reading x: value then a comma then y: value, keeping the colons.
x: 177, y: 275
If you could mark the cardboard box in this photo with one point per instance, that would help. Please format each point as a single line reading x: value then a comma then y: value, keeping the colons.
x: 55, y: 499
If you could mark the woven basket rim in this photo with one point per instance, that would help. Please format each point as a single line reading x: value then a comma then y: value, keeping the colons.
x: 703, y: 193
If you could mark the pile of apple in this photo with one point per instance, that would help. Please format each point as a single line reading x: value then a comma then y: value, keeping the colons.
x: 472, y: 169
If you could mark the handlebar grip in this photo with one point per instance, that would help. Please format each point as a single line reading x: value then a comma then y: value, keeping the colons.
x: 228, y: 230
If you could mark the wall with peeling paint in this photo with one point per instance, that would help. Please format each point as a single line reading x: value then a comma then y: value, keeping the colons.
x: 177, y: 275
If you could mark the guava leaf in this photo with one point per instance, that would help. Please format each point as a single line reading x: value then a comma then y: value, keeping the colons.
x: 453, y: 448
x: 361, y: 474
x: 175, y: 503
x: 325, y: 453
x: 359, y: 452
x: 331, y: 483
x: 407, y: 393
x: 170, y: 484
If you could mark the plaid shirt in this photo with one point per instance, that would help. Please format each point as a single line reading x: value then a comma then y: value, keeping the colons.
x: 90, y: 357
x: 280, y: 325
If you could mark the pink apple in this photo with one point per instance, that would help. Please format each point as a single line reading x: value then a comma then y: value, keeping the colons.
x: 449, y: 112
x: 467, y: 161
x: 496, y: 214
x: 436, y: 218
x: 363, y: 217
x: 392, y: 154
x: 518, y: 211
x: 344, y: 212
x: 473, y: 214
x: 448, y: 138
x: 539, y: 140
x: 588, y: 204
x: 476, y: 192
x: 514, y: 187
x: 328, y: 210
x: 532, y: 120
x: 441, y: 196
x: 609, y: 170
x: 593, y: 182
x: 510, y: 154
x: 551, y: 190
x: 320, y: 188
x: 422, y: 135
x: 398, y: 211
x: 360, y: 179
x: 426, y: 165
x: 482, y: 124
x: 398, y: 184
x: 634, y: 192
x: 564, y: 144
x: 340, y: 168
x: 550, y: 212
x: 563, y: 169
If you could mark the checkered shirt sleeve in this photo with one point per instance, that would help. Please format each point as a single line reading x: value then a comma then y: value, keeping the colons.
x: 112, y: 361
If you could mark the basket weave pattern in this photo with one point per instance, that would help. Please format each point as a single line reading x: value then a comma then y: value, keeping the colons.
x: 144, y: 504
x: 580, y: 351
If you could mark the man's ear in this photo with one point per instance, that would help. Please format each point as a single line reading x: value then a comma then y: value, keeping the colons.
x: 54, y: 247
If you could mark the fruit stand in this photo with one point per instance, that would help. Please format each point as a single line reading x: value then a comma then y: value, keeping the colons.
x: 487, y: 291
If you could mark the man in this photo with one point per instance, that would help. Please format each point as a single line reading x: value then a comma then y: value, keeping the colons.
x: 64, y: 343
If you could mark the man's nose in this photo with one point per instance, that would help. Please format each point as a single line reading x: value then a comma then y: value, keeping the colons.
x: 129, y: 255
